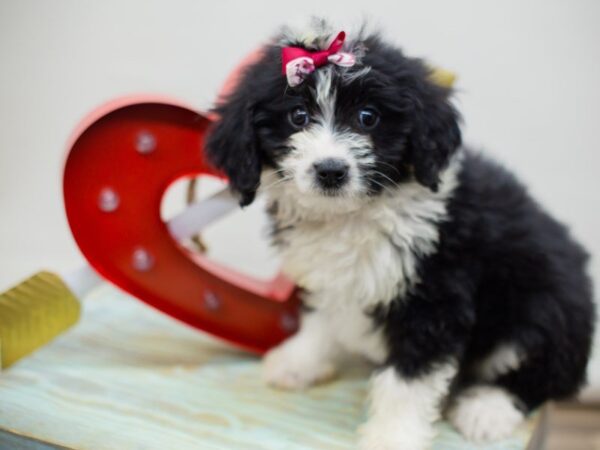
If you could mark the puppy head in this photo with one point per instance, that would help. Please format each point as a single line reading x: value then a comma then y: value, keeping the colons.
x: 342, y: 136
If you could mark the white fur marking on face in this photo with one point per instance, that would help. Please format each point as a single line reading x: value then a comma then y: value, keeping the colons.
x: 325, y: 96
x: 485, y: 413
x: 314, y: 144
x: 322, y: 140
x: 402, y: 412
x: 503, y: 359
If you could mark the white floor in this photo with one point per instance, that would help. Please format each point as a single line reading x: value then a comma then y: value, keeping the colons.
x: 528, y: 88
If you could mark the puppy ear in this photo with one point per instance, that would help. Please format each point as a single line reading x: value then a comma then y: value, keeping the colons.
x: 435, y: 134
x: 231, y: 146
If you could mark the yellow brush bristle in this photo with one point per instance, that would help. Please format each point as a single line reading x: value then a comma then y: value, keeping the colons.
x: 33, y: 313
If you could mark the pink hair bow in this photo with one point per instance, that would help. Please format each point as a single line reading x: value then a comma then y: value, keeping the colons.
x: 298, y: 63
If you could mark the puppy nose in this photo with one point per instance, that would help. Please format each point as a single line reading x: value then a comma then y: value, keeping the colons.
x: 331, y: 172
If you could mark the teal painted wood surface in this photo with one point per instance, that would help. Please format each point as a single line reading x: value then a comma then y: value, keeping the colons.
x: 127, y: 377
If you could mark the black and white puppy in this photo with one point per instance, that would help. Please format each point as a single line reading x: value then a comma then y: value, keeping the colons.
x: 414, y: 252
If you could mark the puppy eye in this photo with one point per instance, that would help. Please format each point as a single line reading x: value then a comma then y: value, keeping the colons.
x: 368, y: 118
x: 299, y: 117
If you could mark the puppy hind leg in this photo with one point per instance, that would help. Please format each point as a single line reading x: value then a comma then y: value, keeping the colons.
x: 484, y: 413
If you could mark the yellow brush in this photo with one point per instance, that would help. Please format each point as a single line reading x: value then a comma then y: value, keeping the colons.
x: 33, y: 313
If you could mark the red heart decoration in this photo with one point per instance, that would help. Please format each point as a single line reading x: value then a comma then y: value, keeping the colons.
x: 119, y: 166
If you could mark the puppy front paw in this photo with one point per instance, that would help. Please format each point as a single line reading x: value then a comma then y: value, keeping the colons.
x: 288, y: 368
x: 389, y: 433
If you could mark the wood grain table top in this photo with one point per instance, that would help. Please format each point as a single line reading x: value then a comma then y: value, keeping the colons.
x: 128, y: 377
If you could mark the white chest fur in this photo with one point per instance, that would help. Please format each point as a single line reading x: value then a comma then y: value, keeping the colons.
x: 348, y: 265
x: 348, y: 260
x: 355, y: 332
